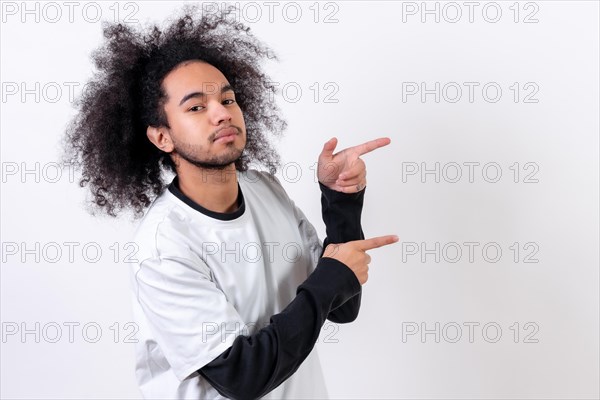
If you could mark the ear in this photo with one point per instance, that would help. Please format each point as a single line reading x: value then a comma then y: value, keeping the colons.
x: 160, y: 138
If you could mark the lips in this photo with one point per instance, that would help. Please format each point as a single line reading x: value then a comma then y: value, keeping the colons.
x: 231, y: 131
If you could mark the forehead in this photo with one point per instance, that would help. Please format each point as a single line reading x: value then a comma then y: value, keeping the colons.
x: 193, y: 76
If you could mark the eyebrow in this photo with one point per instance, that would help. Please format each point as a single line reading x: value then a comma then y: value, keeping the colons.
x: 188, y: 96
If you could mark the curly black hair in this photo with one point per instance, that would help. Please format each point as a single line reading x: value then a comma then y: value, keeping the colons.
x: 107, y: 138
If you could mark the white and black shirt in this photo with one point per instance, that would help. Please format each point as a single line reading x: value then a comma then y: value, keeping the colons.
x: 230, y: 305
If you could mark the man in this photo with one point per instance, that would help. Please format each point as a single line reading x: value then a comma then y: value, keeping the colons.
x: 224, y: 308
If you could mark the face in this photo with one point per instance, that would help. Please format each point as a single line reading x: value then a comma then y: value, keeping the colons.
x: 206, y: 124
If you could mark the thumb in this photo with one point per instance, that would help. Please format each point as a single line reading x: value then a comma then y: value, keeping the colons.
x: 329, y: 147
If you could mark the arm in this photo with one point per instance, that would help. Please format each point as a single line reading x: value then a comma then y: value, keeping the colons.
x: 200, y: 332
x: 254, y: 365
x: 341, y: 214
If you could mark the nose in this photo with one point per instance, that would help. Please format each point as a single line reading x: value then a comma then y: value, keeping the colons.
x: 219, y: 113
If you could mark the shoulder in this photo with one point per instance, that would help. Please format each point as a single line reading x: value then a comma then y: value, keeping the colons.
x: 162, y: 231
x: 263, y: 183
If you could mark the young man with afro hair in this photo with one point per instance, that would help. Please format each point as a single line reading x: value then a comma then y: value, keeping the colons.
x: 224, y: 308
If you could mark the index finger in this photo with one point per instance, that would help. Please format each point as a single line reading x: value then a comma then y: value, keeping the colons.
x: 372, y: 145
x: 379, y: 241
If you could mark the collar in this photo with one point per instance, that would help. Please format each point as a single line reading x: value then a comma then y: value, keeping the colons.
x: 174, y: 189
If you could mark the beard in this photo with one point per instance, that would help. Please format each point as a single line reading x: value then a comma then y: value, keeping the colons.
x: 190, y: 154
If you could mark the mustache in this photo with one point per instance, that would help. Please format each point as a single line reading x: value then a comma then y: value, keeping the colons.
x: 214, y: 135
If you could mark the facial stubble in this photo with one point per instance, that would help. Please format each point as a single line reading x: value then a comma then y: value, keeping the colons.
x: 189, y: 153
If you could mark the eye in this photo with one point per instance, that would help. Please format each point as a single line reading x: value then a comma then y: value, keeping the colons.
x: 194, y: 108
x: 231, y: 100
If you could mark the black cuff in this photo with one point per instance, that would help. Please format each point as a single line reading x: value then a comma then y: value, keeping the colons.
x: 332, y: 277
x: 335, y: 196
x: 341, y: 214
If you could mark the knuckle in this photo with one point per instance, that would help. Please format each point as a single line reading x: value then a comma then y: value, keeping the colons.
x: 332, y: 249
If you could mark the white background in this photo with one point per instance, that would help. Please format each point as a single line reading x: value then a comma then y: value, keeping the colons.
x: 370, y: 55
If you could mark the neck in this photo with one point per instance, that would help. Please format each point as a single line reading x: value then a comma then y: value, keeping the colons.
x: 215, y: 190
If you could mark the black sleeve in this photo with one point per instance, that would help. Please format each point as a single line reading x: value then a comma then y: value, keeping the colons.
x: 255, y: 365
x: 341, y: 214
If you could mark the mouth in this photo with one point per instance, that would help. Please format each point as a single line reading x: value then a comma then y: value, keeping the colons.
x: 226, y: 135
